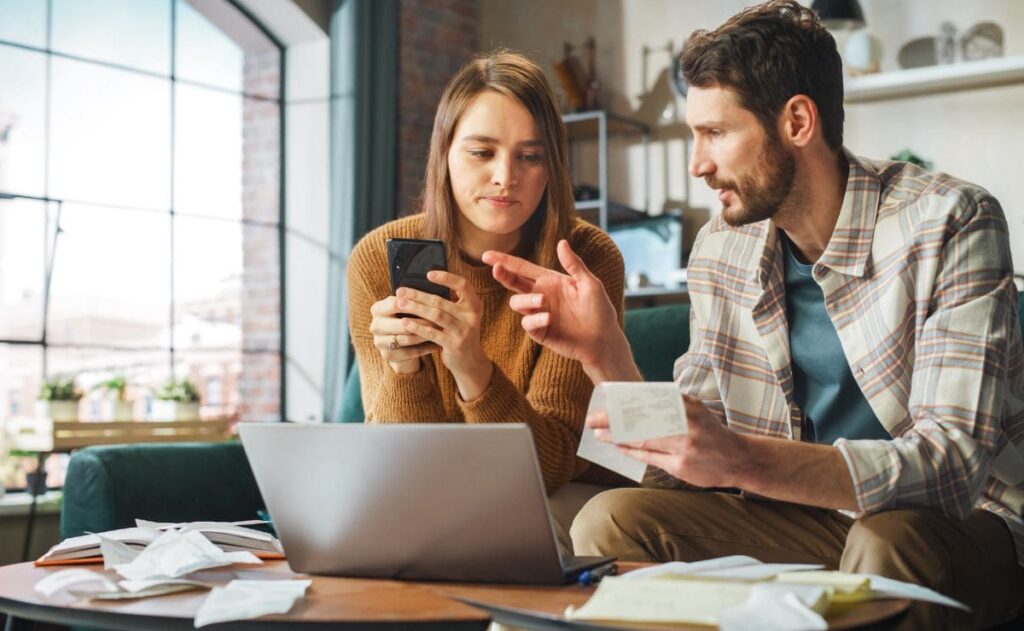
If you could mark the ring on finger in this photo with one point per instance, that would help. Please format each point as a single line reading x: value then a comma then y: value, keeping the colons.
x: 394, y: 342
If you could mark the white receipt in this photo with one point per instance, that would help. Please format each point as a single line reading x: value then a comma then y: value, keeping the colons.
x: 242, y: 600
x: 636, y: 411
x: 639, y: 411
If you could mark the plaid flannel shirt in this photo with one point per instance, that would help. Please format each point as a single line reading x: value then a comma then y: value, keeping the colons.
x: 918, y: 281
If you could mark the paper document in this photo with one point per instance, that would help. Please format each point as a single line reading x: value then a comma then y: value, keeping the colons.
x: 636, y: 411
x: 242, y: 600
x: 659, y: 601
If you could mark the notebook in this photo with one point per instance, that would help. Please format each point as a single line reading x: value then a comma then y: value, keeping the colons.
x: 446, y: 502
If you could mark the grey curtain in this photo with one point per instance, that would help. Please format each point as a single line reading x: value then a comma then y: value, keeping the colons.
x: 364, y: 54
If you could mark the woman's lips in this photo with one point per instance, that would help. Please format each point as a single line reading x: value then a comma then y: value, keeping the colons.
x: 500, y: 202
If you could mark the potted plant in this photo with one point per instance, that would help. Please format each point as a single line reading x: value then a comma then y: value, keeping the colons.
x: 178, y: 400
x: 58, y: 399
x: 116, y: 406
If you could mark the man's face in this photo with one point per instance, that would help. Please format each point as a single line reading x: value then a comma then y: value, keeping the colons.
x: 749, y: 167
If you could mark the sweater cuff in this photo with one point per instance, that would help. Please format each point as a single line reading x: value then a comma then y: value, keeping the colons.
x: 499, y: 403
x: 874, y: 467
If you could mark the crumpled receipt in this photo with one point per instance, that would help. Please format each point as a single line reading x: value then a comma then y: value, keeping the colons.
x: 246, y: 599
x: 175, y: 554
x: 636, y: 411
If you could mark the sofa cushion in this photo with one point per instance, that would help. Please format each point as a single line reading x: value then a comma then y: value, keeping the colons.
x: 658, y: 336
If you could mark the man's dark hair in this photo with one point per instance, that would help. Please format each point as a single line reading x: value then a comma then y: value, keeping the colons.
x: 768, y: 54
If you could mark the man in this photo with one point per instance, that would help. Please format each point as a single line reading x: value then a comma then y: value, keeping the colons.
x: 855, y: 383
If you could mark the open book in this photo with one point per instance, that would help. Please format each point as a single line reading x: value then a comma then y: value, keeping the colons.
x: 228, y: 536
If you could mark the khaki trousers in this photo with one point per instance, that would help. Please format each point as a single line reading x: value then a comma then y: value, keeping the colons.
x: 973, y: 560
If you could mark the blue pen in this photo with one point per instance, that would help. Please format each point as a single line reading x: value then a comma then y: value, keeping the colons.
x: 594, y: 576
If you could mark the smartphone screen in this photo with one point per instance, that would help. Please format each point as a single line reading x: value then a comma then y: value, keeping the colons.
x: 411, y: 259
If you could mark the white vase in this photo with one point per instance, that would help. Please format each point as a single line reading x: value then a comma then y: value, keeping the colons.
x: 57, y: 410
x: 174, y: 411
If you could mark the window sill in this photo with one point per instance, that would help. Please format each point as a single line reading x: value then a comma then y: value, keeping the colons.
x: 16, y: 504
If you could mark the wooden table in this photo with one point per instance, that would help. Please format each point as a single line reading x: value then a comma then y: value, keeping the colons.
x: 352, y: 602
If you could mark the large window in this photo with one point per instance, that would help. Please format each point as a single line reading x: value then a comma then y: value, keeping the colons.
x: 140, y: 203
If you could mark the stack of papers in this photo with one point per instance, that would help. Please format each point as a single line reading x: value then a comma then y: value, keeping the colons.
x: 154, y: 559
x: 740, y: 593
x: 228, y: 536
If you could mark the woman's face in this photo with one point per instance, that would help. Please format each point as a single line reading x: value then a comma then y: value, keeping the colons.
x: 497, y: 170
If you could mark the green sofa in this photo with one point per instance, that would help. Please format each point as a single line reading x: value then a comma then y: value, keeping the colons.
x: 108, y: 487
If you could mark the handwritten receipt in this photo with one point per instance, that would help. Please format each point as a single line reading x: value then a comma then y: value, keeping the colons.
x: 636, y: 411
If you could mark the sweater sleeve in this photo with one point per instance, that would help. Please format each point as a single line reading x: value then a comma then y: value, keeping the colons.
x: 555, y: 402
x: 388, y: 397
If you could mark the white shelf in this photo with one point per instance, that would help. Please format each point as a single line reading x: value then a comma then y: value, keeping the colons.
x: 967, y: 75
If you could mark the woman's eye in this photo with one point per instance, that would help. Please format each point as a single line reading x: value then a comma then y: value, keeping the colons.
x: 531, y: 157
x: 480, y: 153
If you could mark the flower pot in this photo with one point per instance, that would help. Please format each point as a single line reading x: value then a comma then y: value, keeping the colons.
x: 174, y: 411
x: 114, y: 410
x: 57, y: 410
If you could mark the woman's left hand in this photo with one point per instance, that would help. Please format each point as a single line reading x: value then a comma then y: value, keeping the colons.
x: 455, y: 328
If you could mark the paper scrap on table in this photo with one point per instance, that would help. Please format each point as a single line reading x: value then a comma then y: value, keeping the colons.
x: 734, y: 568
x: 636, y: 411
x: 175, y: 554
x: 778, y: 607
x: 77, y: 582
x: 242, y: 600
x: 115, y: 552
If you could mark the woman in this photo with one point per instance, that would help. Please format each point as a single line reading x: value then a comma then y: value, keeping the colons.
x: 497, y: 178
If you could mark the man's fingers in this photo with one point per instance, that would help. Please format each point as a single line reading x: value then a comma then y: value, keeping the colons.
x: 526, y: 303
x: 520, y: 267
x: 510, y: 280
x: 536, y: 322
x: 571, y: 263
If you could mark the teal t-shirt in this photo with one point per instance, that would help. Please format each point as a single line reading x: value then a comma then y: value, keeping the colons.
x: 823, y: 385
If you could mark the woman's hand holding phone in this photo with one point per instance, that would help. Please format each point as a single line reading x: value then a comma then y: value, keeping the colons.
x: 454, y: 326
x: 402, y: 350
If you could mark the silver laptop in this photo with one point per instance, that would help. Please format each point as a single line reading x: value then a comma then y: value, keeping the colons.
x: 445, y: 502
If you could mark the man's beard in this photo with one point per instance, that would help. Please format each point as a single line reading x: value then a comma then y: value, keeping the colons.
x: 760, y: 201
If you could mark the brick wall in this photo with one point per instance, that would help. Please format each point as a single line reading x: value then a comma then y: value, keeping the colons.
x: 435, y: 38
x: 260, y: 382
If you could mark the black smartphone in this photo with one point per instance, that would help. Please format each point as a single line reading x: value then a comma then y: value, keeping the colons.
x: 409, y: 261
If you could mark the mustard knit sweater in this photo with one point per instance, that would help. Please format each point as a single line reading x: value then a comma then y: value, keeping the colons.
x: 531, y: 384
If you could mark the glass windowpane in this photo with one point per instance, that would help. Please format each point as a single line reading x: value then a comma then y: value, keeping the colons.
x: 218, y: 46
x: 22, y: 261
x: 217, y: 377
x: 132, y: 33
x: 110, y: 136
x: 23, y: 22
x: 111, y: 281
x: 208, y: 152
x: 22, y: 120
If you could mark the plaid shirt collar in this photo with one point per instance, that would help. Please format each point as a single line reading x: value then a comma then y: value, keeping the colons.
x: 850, y: 244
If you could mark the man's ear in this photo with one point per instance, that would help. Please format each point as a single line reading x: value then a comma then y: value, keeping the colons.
x: 799, y: 120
